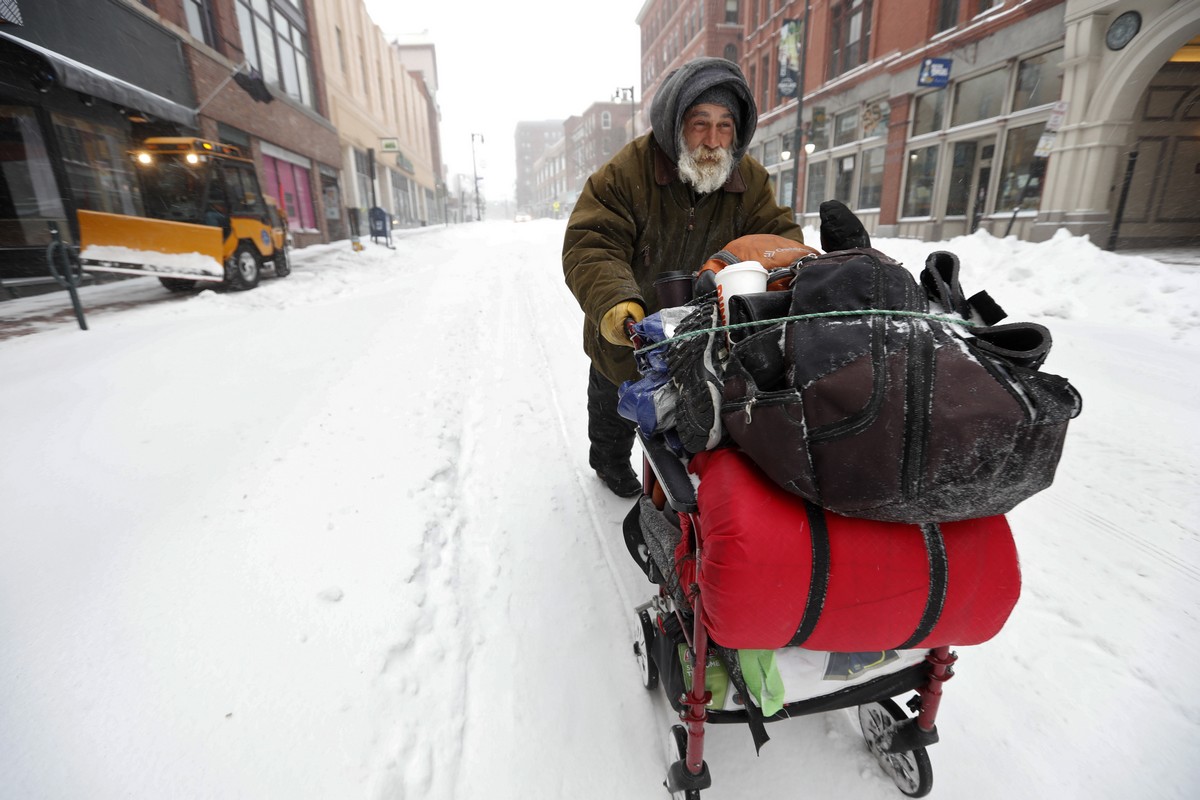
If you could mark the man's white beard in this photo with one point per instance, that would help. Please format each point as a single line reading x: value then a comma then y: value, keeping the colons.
x: 706, y: 170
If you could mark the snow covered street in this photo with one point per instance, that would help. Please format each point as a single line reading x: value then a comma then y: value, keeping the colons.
x: 337, y: 537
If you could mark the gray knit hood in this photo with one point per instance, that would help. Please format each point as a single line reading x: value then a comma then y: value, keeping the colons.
x: 679, y: 92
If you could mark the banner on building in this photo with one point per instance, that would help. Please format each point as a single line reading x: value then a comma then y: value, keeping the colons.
x: 934, y: 72
x: 790, y: 36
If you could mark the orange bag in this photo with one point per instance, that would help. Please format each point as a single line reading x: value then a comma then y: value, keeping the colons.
x: 773, y: 252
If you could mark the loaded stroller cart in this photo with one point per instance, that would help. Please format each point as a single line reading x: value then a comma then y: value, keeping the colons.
x: 826, y: 473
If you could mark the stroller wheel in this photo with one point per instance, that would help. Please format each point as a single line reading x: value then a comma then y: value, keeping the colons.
x: 641, y: 649
x: 910, y: 770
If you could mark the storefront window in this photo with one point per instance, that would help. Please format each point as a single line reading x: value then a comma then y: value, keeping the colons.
x: 875, y: 118
x: 289, y: 184
x: 843, y: 181
x: 28, y: 192
x: 1039, y: 80
x: 927, y: 112
x: 400, y: 199
x: 785, y: 188
x: 816, y: 194
x: 961, y: 169
x: 918, y: 189
x: 770, y: 152
x: 845, y: 128
x: 362, y: 170
x: 870, y: 190
x: 98, y: 170
x: 979, y: 98
x: 1021, y: 175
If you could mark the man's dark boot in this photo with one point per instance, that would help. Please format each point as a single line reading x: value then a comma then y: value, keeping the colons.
x: 611, y: 437
x: 620, y: 479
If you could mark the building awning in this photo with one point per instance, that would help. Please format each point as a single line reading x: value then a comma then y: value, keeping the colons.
x: 89, y: 80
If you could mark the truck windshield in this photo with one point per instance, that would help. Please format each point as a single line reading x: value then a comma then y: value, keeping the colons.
x: 173, y: 189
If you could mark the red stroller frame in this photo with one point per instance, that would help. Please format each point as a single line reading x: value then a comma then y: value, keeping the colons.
x: 895, y: 739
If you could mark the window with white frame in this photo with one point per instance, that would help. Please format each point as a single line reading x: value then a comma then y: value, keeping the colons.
x: 843, y: 178
x: 1020, y: 175
x: 979, y: 98
x: 816, y: 192
x: 275, y: 41
x: 845, y: 127
x: 1039, y: 80
x: 870, y: 186
x: 876, y: 116
x: 927, y: 112
x: 918, y: 185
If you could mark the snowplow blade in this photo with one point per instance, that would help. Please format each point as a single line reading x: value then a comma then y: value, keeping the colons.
x: 143, y: 246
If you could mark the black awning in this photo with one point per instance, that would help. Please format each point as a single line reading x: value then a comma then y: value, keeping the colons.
x: 89, y: 80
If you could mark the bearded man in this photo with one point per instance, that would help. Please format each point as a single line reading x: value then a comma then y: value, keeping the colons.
x: 667, y: 201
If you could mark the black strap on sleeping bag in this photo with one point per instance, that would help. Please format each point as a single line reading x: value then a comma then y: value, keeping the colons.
x: 754, y: 715
x: 818, y: 581
x: 935, y: 550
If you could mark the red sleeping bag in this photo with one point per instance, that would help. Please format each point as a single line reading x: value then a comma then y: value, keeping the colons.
x: 776, y: 570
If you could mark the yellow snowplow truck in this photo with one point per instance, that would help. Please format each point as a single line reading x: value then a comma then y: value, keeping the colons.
x: 206, y: 220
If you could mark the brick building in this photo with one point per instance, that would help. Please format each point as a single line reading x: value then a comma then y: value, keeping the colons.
x: 381, y: 111
x: 570, y: 152
x: 80, y: 81
x: 933, y: 118
x: 592, y: 138
x: 532, y: 140
x: 675, y: 32
x: 552, y: 181
x: 291, y: 139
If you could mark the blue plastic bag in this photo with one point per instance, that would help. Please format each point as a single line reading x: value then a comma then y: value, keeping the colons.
x: 650, y: 401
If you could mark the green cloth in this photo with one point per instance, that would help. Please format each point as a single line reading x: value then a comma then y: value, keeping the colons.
x: 763, y: 680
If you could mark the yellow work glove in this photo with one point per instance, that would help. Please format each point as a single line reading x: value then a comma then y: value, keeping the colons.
x: 612, y: 325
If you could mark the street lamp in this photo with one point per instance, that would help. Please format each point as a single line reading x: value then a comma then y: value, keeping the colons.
x: 626, y: 93
x: 806, y: 137
x: 478, y: 214
x: 808, y: 148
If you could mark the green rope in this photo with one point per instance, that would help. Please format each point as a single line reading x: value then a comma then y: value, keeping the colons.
x: 877, y: 312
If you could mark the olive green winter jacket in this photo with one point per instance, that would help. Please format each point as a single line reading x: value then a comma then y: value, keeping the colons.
x: 636, y: 219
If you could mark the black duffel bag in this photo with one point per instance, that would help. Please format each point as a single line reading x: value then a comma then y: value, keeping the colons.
x: 872, y: 406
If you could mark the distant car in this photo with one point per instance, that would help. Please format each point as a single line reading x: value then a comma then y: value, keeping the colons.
x: 522, y: 218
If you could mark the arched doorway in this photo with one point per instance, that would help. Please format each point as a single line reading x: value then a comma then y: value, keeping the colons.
x: 1162, y: 166
x: 1125, y: 96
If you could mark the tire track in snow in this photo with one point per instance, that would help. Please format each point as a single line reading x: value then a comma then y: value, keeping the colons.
x: 1101, y: 524
x: 602, y: 533
x: 427, y: 664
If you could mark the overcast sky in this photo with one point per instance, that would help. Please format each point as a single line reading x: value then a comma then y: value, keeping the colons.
x: 499, y: 64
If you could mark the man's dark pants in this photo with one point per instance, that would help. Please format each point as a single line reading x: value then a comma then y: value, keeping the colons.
x: 611, y: 434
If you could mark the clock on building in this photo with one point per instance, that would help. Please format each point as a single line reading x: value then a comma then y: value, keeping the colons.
x: 1123, y: 29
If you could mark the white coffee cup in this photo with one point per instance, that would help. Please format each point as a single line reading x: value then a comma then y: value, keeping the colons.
x: 746, y: 277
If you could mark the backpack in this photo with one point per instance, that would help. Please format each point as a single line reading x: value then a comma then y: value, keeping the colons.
x: 873, y: 406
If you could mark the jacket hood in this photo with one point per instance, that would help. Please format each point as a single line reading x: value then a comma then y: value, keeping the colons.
x: 684, y: 85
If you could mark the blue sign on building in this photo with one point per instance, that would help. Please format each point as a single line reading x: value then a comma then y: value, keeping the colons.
x: 935, y: 72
